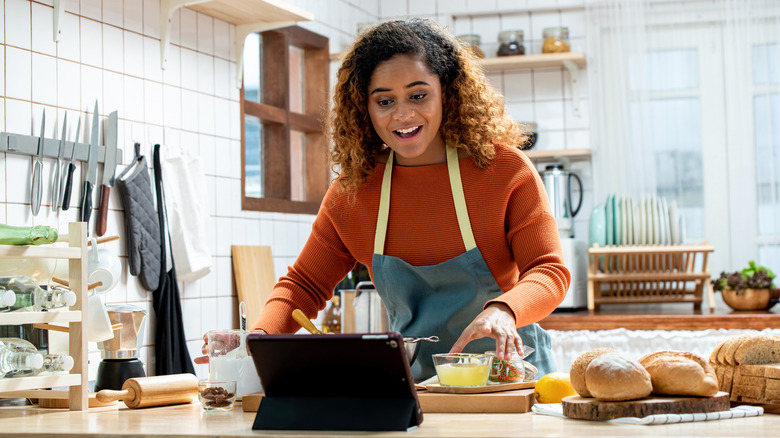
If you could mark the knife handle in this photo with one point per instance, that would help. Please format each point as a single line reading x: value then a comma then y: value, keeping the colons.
x: 68, y: 185
x: 100, y: 223
x: 86, y: 202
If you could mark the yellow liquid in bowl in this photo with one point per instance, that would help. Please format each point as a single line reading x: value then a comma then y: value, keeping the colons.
x: 463, y: 374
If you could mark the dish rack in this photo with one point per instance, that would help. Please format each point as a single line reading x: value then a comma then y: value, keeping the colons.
x: 77, y: 379
x: 649, y: 274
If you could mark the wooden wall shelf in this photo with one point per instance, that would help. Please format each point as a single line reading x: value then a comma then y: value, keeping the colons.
x: 673, y: 320
x: 519, y: 62
x: 559, y: 154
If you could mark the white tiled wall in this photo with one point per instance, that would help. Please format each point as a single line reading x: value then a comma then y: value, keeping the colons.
x: 110, y: 52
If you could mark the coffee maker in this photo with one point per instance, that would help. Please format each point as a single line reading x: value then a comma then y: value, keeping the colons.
x: 120, y: 353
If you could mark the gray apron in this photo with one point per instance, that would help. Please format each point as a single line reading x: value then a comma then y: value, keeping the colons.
x: 443, y: 299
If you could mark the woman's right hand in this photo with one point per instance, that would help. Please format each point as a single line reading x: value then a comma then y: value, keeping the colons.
x: 227, y: 343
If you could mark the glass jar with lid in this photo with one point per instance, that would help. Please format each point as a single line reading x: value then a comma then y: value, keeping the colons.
x: 556, y: 40
x: 472, y: 42
x: 511, y: 43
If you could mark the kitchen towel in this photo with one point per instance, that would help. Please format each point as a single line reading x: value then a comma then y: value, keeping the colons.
x: 185, y: 188
x: 142, y: 228
x: 556, y: 410
x: 170, y: 345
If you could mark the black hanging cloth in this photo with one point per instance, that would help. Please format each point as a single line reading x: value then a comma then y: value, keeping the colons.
x: 170, y: 344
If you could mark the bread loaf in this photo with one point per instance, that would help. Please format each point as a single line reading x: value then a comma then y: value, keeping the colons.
x: 758, y: 349
x: 577, y: 373
x: 613, y: 377
x: 680, y: 373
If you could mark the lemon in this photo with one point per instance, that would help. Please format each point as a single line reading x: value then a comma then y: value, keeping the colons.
x: 552, y: 387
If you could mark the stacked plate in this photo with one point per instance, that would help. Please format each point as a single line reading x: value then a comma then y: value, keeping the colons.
x: 650, y: 220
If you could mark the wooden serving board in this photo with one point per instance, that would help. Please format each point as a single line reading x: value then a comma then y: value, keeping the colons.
x: 592, y: 409
x: 253, y: 271
x: 497, y: 387
x: 505, y: 402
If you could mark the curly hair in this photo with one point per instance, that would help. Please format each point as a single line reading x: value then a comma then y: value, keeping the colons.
x: 473, y: 114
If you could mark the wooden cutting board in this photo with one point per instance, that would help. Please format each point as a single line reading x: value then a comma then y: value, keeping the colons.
x: 498, y: 387
x: 517, y: 401
x: 592, y: 409
x: 253, y: 271
x: 505, y: 402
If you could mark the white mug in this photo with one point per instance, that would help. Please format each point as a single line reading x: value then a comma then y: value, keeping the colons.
x: 103, y: 266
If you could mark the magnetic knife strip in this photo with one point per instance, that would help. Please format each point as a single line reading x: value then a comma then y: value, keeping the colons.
x: 28, y: 145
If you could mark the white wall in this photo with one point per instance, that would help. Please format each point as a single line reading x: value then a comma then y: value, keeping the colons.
x: 110, y: 52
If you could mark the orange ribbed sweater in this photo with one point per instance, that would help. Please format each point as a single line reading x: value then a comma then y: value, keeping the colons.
x: 510, y: 217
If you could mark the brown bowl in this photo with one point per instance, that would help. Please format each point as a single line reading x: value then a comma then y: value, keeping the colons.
x: 751, y: 299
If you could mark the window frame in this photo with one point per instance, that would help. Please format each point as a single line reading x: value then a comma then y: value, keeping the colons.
x: 278, y: 121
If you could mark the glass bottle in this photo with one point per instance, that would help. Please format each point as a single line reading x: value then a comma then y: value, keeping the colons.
x: 18, y: 358
x: 331, y: 321
x: 556, y: 40
x: 511, y: 43
x: 56, y: 364
x: 471, y: 43
x: 28, y: 296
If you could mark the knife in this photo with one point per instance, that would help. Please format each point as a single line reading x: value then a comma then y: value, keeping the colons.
x: 109, y: 171
x: 56, y: 183
x: 68, y: 175
x: 37, y: 187
x: 89, y: 182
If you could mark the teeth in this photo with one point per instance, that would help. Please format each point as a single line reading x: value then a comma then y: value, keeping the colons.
x: 407, y: 131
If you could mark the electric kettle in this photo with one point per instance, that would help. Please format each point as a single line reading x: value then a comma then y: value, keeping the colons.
x: 557, y: 183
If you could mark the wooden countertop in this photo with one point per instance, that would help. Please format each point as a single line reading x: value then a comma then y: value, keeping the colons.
x: 681, y: 317
x: 190, y: 421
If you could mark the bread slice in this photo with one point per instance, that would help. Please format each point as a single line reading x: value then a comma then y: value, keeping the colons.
x: 772, y: 394
x: 772, y: 384
x: 728, y: 377
x: 749, y: 381
x: 772, y: 371
x: 680, y: 373
x: 752, y: 392
x: 714, y: 354
x: 758, y: 350
x: 726, y: 353
x: 577, y: 373
x: 753, y: 370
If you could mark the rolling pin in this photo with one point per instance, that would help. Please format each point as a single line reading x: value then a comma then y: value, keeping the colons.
x: 144, y: 392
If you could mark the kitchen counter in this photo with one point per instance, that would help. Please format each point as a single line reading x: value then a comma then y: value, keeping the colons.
x: 191, y: 421
x: 650, y: 317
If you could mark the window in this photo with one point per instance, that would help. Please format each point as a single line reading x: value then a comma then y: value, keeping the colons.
x: 285, y: 165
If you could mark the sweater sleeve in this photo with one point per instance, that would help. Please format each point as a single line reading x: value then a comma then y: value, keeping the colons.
x: 532, y: 234
x: 309, y: 283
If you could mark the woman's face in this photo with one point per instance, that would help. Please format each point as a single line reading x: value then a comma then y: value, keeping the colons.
x: 405, y: 105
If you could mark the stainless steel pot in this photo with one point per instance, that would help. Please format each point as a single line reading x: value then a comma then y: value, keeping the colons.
x: 412, y: 346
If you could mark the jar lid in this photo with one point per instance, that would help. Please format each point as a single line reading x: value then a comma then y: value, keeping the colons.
x: 471, y: 38
x: 508, y: 36
x: 556, y: 32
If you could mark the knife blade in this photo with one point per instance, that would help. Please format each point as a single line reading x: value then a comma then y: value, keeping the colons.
x: 37, y: 177
x: 109, y: 171
x: 56, y: 182
x: 89, y: 182
x: 68, y: 175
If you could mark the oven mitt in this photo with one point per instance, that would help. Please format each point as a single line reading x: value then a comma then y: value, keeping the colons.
x: 142, y: 227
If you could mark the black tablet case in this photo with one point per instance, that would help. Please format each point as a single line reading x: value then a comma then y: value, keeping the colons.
x: 334, y: 382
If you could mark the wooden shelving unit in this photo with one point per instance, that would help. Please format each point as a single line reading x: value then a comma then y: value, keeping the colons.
x: 77, y: 380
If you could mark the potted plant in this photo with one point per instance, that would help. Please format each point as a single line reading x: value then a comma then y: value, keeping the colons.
x: 751, y: 288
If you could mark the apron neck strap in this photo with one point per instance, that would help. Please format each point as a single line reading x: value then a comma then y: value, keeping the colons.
x: 456, y: 185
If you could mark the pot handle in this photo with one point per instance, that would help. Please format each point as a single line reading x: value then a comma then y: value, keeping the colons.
x: 579, y: 204
x: 363, y: 285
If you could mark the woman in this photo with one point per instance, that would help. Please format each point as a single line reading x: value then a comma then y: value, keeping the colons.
x: 450, y: 218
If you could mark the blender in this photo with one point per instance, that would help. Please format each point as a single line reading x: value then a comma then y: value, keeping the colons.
x: 120, y: 353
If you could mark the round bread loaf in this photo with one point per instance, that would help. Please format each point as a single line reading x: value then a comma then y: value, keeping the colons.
x: 577, y: 373
x: 680, y: 373
x: 613, y: 377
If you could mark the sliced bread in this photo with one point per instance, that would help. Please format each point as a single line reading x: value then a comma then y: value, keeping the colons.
x: 758, y: 350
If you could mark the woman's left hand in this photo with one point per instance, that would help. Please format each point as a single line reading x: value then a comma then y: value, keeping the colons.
x: 498, y: 322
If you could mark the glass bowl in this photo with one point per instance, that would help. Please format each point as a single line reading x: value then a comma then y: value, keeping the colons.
x: 462, y: 369
x: 217, y: 394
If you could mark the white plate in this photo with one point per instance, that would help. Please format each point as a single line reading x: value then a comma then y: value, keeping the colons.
x: 656, y: 239
x: 629, y: 221
x: 674, y: 223
x: 618, y: 220
x: 637, y: 223
x: 667, y: 224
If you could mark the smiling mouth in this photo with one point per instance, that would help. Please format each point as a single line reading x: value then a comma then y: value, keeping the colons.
x: 407, y: 132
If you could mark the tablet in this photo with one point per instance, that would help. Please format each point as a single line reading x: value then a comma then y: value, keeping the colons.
x: 334, y: 382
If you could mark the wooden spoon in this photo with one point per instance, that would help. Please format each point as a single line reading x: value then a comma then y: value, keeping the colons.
x: 301, y: 319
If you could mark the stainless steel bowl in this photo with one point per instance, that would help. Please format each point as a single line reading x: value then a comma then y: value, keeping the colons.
x: 412, y: 346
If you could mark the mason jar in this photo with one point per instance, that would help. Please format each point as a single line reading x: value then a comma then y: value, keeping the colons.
x: 511, y: 43
x: 472, y: 42
x: 556, y: 40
